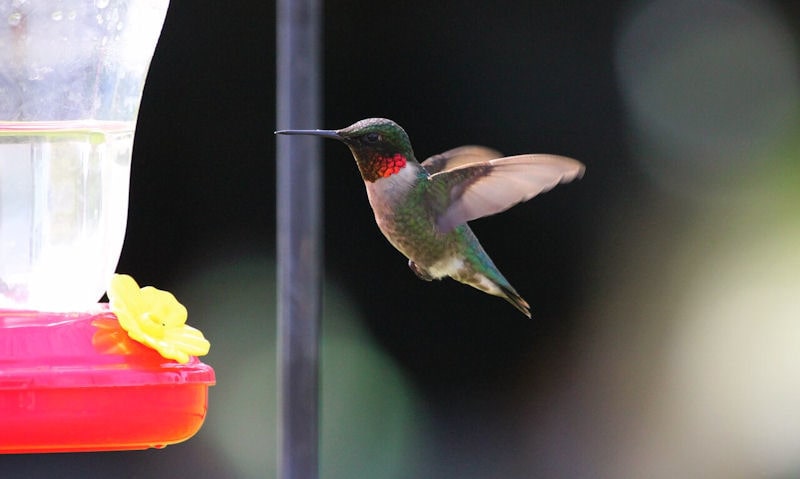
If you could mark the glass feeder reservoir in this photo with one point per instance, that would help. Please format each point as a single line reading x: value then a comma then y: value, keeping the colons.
x: 73, y: 377
x: 71, y: 79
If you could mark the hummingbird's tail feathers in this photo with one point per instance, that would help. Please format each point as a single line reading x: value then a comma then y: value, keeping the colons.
x: 510, y: 295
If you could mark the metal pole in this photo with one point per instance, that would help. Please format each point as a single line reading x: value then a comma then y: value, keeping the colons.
x: 299, y: 245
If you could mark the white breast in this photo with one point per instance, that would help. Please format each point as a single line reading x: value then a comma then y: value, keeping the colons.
x: 384, y: 192
x: 384, y: 195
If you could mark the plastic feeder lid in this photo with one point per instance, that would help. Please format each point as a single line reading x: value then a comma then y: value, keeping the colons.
x: 77, y: 382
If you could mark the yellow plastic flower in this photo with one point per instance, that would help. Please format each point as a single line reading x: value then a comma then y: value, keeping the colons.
x: 156, y: 319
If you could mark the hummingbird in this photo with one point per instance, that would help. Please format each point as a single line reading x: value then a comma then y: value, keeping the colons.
x: 423, y: 208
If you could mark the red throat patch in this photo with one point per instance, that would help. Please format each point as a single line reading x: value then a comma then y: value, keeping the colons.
x: 386, y: 166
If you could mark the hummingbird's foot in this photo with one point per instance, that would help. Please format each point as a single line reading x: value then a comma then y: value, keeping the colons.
x: 421, y: 273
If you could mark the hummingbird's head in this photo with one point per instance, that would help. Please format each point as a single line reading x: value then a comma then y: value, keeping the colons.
x: 381, y: 147
x: 375, y: 135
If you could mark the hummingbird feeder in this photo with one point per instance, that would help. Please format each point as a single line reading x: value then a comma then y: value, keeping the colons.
x: 76, y: 375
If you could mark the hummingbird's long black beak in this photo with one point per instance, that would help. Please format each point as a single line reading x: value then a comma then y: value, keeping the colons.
x: 323, y: 133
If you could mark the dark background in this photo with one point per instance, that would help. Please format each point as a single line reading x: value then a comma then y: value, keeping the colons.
x: 521, y: 79
x: 494, y: 394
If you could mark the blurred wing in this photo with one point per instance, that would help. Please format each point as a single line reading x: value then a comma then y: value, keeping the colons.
x: 462, y: 155
x: 489, y: 187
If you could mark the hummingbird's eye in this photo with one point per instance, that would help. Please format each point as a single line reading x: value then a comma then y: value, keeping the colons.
x: 372, y: 137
